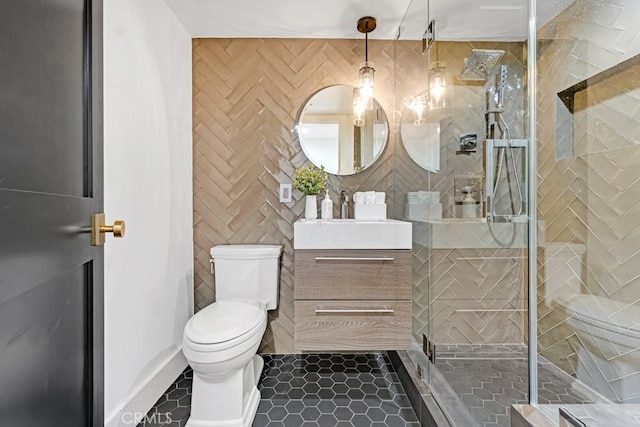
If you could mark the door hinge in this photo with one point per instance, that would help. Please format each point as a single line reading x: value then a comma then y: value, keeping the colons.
x: 429, y: 349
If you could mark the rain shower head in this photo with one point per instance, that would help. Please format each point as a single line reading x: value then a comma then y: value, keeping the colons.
x: 480, y: 64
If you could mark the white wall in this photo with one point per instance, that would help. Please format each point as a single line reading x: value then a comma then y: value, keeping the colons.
x: 148, y: 183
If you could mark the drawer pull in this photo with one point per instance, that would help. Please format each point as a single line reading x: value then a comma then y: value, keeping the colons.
x: 338, y: 258
x: 354, y: 311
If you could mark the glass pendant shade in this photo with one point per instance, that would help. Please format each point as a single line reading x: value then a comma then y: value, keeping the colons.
x: 365, y: 84
x: 437, y: 86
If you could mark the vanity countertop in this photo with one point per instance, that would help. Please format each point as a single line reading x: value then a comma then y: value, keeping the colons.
x: 352, y: 234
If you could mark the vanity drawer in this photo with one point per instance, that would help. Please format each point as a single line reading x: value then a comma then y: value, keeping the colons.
x: 353, y: 274
x: 328, y: 325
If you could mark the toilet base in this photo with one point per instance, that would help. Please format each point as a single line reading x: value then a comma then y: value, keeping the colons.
x: 230, y: 403
x: 247, y: 417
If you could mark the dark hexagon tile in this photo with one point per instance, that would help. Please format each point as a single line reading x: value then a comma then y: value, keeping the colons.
x: 360, y: 421
x: 327, y: 420
x: 277, y: 413
x: 358, y: 407
x: 340, y: 388
x: 180, y: 413
x: 260, y: 420
x: 264, y: 406
x: 185, y: 401
x: 369, y: 389
x: 296, y: 393
x: 314, y: 390
x: 293, y: 420
x: 376, y: 414
x: 390, y: 408
x: 395, y: 421
x: 355, y: 394
x: 310, y: 413
x: 326, y: 406
x: 343, y: 414
x: 294, y: 406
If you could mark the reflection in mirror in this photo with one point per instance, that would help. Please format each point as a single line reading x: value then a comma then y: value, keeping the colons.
x: 329, y: 137
x: 421, y: 138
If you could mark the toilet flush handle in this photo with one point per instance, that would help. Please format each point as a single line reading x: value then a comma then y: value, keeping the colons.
x: 211, y: 263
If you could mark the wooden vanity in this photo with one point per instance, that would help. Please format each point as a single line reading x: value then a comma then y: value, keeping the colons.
x: 352, y: 299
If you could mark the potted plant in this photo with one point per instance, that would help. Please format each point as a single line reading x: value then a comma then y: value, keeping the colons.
x: 310, y: 181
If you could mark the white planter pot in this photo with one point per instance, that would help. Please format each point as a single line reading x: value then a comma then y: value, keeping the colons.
x: 311, y: 207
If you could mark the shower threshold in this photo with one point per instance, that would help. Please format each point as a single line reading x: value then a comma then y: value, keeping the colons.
x: 476, y: 385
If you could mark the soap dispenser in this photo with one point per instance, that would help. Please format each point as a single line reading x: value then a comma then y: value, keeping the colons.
x: 326, y: 207
x: 468, y: 203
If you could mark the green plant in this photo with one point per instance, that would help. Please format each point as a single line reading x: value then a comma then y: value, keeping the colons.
x: 310, y: 180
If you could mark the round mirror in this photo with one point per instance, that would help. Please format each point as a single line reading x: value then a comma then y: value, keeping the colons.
x: 329, y: 137
x: 421, y: 138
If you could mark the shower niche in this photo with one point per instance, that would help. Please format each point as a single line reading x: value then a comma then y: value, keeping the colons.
x: 601, y: 95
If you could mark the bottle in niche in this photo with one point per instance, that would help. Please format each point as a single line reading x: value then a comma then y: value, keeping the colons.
x: 326, y: 207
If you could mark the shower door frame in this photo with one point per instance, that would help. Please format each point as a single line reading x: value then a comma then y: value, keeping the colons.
x: 532, y: 181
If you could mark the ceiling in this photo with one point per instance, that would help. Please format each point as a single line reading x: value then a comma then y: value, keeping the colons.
x: 455, y: 19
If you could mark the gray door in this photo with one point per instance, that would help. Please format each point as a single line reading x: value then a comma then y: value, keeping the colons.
x: 51, y: 278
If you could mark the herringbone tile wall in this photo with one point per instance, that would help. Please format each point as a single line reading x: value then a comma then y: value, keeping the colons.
x: 590, y: 199
x: 247, y: 93
x: 464, y: 296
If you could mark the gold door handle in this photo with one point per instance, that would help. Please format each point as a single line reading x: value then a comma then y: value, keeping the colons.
x: 117, y: 228
x: 99, y: 228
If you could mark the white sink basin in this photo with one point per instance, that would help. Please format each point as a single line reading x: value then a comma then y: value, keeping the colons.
x: 351, y: 234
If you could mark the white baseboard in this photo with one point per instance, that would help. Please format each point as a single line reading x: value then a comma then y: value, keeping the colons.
x: 139, y: 402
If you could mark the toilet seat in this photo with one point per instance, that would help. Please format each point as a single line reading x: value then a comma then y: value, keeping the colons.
x: 223, y: 324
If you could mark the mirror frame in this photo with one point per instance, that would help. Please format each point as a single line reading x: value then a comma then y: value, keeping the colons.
x: 374, y: 160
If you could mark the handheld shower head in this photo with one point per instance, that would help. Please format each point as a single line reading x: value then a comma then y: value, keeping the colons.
x: 501, y: 83
x: 495, y: 93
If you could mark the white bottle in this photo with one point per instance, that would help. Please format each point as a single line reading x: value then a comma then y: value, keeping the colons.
x: 469, y: 207
x: 326, y: 208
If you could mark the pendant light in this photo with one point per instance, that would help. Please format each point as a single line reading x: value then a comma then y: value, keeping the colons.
x: 418, y: 105
x: 437, y: 77
x: 363, y: 95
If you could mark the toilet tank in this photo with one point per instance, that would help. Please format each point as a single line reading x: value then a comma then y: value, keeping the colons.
x: 247, y: 272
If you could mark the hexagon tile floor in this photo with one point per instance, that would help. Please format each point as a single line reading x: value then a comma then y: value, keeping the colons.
x: 490, y: 378
x: 324, y: 390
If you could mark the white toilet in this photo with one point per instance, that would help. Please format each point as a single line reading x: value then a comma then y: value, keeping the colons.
x: 221, y: 340
x: 609, y: 354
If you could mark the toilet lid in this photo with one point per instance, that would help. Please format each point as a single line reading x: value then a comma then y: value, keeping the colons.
x: 223, y: 321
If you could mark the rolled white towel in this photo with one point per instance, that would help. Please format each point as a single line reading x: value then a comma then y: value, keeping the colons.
x: 358, y: 197
x: 380, y: 196
x: 369, y: 197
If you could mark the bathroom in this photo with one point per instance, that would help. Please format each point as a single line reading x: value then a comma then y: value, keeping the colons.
x: 506, y: 152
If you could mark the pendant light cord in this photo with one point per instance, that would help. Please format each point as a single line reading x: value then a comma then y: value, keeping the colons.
x: 366, y: 47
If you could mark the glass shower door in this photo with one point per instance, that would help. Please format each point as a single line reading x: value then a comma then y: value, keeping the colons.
x: 588, y: 313
x: 461, y: 179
